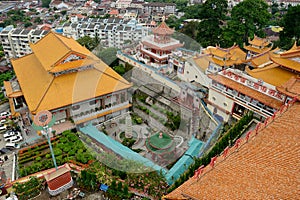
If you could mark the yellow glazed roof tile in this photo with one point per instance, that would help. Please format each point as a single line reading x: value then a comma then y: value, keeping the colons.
x: 43, y: 91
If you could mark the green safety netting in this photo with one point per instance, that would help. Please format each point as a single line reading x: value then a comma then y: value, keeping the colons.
x: 118, y: 148
x: 185, y: 161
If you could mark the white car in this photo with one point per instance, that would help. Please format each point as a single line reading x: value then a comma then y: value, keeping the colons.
x: 5, y: 115
x: 12, y: 146
x: 17, y: 139
x: 13, y: 139
x: 9, y: 134
x: 2, y: 121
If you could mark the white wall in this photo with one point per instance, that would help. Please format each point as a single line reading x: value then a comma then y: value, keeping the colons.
x: 221, y: 101
x: 192, y: 72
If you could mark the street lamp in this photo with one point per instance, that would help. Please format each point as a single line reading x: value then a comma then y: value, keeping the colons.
x: 43, y: 121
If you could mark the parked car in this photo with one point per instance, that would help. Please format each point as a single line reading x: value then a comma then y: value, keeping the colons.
x: 12, y: 146
x: 2, y: 128
x: 5, y: 115
x: 2, y: 121
x: 9, y: 134
x: 4, y: 151
x: 13, y: 139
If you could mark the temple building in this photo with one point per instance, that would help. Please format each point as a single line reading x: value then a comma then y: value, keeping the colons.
x: 220, y: 58
x: 257, y: 46
x: 68, y: 80
x: 276, y: 67
x: 233, y: 93
x: 261, y: 165
x: 156, y: 48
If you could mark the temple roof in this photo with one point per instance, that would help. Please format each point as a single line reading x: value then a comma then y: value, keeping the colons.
x: 291, y: 87
x: 274, y: 68
x: 42, y: 88
x: 293, y: 52
x: 258, y: 45
x: 226, y: 57
x: 163, y: 29
x: 272, y: 74
x: 266, y: 167
x: 288, y: 63
x: 53, y: 48
x: 260, y: 42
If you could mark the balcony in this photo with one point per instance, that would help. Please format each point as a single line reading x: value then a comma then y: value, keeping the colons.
x: 88, y: 114
x: 256, y: 107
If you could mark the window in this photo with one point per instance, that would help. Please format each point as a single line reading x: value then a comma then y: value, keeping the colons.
x: 187, y: 72
x: 93, y: 102
x: 214, y: 98
x: 196, y: 76
x: 76, y: 107
x: 225, y: 104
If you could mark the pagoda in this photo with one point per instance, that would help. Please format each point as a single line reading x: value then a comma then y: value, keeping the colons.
x: 155, y: 49
x: 257, y: 46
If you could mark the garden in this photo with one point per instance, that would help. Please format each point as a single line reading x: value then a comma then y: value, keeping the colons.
x: 29, y: 189
x: 67, y: 147
x: 157, y: 112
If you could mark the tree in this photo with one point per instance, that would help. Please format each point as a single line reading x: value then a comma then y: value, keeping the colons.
x: 27, y: 24
x: 63, y: 12
x: 108, y: 55
x: 88, y: 42
x: 120, y: 69
x: 247, y: 18
x: 190, y: 29
x: 291, y: 24
x: 212, y: 16
x: 38, y: 20
x: 45, y: 3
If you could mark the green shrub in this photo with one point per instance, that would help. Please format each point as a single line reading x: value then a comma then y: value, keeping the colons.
x: 38, y: 158
x: 48, y: 156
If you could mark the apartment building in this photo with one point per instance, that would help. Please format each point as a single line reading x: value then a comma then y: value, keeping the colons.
x: 112, y: 32
x: 15, y: 41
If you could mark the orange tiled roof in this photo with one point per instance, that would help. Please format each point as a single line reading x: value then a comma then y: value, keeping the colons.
x: 42, y: 90
x: 287, y: 63
x: 163, y: 29
x: 256, y: 50
x: 9, y: 91
x: 59, y: 177
x: 166, y: 48
x: 202, y: 61
x: 267, y: 167
x: 272, y: 74
x: 232, y: 56
x: 257, y: 41
x: 72, y: 65
x: 265, y: 99
x: 53, y: 47
x: 260, y: 59
x: 294, y: 51
x: 114, y: 12
x: 291, y: 87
